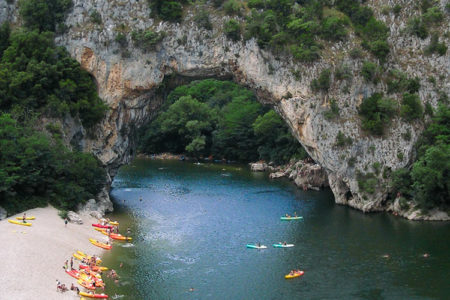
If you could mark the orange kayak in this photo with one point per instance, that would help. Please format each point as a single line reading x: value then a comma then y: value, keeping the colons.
x: 74, y: 273
x: 101, y: 245
x: 116, y: 236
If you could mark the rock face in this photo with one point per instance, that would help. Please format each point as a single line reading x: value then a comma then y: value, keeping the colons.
x: 258, y: 167
x: 74, y: 217
x: 128, y: 79
x: 305, y: 174
x: 3, y: 213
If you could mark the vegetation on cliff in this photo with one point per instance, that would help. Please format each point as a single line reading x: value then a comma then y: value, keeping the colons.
x: 427, y: 182
x: 40, y: 80
x: 219, y: 118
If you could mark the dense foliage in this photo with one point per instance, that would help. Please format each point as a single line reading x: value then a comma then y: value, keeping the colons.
x: 44, y: 15
x: 38, y: 79
x: 221, y: 119
x: 428, y: 181
x: 37, y: 76
x: 36, y: 169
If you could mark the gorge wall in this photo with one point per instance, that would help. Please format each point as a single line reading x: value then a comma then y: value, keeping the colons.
x: 128, y: 80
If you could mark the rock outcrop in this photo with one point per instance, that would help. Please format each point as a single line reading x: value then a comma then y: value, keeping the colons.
x: 128, y: 79
x: 306, y: 175
x: 3, y: 213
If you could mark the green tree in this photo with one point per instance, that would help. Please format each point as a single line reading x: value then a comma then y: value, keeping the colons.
x: 43, y: 15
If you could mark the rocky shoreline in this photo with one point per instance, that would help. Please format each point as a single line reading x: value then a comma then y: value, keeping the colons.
x: 306, y: 174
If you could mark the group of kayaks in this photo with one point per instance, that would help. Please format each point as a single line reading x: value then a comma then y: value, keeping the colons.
x: 88, y: 277
x: 20, y: 221
x: 293, y: 273
x: 106, y: 229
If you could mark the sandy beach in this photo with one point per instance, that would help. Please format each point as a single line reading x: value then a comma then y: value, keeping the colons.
x: 32, y: 257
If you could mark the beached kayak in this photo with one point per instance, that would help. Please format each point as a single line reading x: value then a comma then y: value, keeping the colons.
x: 82, y: 254
x: 94, y: 268
x: 282, y: 245
x: 115, y: 223
x: 89, y: 278
x: 102, y: 226
x: 86, y: 284
x: 19, y: 223
x: 92, y: 295
x: 251, y: 246
x: 290, y: 218
x: 27, y: 218
x: 74, y: 273
x: 296, y: 274
x: 100, y: 244
x: 116, y: 236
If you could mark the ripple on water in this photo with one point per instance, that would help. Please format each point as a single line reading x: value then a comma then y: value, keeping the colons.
x: 186, y: 260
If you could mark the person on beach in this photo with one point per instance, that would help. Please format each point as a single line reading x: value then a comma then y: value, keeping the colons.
x: 58, y: 285
x: 66, y: 264
x: 65, y: 222
x: 24, y: 218
x: 71, y: 263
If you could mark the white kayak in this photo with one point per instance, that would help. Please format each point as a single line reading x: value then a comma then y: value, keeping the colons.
x: 282, y: 245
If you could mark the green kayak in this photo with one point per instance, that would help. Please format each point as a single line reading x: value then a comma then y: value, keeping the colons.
x: 290, y: 218
x: 251, y: 246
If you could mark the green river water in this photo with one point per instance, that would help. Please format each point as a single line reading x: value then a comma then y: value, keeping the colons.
x: 191, y: 229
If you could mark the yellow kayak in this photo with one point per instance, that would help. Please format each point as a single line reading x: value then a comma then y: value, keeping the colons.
x: 27, y: 218
x: 295, y: 274
x: 19, y: 223
x: 80, y: 255
x: 115, y: 223
x: 101, y: 245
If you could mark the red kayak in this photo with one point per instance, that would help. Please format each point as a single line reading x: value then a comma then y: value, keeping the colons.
x: 74, y: 273
x: 102, y: 226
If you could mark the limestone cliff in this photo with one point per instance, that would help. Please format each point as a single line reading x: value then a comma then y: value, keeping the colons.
x: 128, y: 80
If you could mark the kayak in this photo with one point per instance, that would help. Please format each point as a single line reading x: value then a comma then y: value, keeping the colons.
x: 27, y: 218
x: 92, y: 295
x: 102, y: 226
x: 296, y: 274
x: 99, y: 229
x: 74, y: 273
x: 290, y: 218
x: 283, y: 246
x: 116, y: 236
x: 101, y: 245
x: 86, y: 284
x: 84, y: 255
x: 19, y: 223
x: 94, y: 268
x: 251, y: 246
x: 88, y: 278
x: 115, y: 223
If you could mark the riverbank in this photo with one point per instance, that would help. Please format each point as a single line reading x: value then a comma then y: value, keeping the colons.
x: 33, y: 257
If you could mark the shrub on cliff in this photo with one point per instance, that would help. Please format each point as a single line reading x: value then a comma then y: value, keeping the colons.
x: 147, y: 39
x: 232, y: 30
x: 44, y: 15
x: 376, y: 113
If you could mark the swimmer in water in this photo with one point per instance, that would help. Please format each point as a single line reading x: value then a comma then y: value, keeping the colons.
x: 191, y: 289
x: 426, y: 255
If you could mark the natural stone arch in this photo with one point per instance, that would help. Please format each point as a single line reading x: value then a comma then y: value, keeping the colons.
x: 128, y: 85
